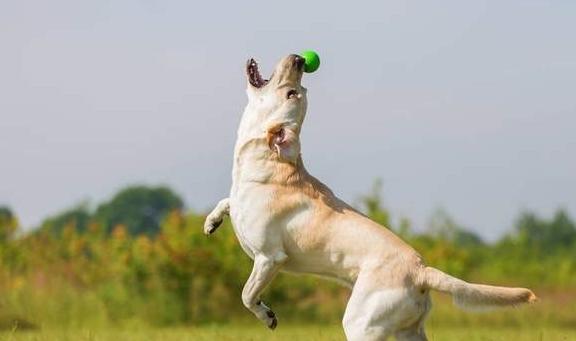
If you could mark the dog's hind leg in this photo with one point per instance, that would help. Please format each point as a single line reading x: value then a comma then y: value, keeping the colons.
x: 379, y: 308
x: 215, y: 218
x: 416, y: 332
x: 264, y: 270
x: 370, y: 311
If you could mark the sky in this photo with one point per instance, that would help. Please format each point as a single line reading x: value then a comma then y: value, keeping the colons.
x: 461, y: 105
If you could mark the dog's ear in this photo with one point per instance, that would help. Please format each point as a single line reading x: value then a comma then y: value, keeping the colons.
x: 283, y: 140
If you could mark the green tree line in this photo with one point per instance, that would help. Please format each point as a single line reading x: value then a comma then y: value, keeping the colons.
x: 140, y: 258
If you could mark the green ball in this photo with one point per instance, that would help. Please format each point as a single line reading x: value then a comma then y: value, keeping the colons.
x: 311, y: 61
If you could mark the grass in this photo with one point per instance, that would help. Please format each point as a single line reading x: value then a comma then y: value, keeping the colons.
x: 553, y: 318
x: 292, y: 333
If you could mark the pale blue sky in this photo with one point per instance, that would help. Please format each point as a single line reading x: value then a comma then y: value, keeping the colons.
x: 470, y: 106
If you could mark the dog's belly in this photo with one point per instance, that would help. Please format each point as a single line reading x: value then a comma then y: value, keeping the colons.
x: 315, y: 238
x: 239, y: 227
x: 252, y: 221
x: 266, y: 219
x: 330, y: 266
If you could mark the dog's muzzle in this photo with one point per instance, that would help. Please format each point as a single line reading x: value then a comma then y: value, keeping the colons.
x: 298, y: 62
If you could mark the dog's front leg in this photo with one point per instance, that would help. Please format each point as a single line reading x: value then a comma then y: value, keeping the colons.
x: 264, y: 270
x: 215, y: 218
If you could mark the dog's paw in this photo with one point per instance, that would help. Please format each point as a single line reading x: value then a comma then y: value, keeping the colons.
x: 210, y: 225
x: 272, y: 321
x: 267, y: 315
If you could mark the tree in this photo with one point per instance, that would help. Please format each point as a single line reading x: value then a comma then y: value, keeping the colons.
x: 531, y: 230
x: 77, y: 217
x: 444, y: 227
x: 141, y: 209
x: 374, y: 207
x: 8, y: 224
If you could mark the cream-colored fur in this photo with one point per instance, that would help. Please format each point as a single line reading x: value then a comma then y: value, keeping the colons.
x: 286, y: 220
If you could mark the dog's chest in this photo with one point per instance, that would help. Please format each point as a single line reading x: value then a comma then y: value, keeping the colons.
x: 250, y: 215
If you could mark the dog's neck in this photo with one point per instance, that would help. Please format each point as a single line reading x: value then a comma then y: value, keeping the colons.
x: 256, y: 161
x: 257, y: 158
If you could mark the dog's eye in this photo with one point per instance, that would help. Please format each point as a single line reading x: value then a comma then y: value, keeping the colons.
x: 291, y: 94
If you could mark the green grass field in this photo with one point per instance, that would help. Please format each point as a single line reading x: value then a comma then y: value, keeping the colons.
x: 552, y: 318
x: 292, y: 333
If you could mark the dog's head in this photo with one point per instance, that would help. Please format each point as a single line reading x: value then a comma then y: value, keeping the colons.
x: 276, y: 107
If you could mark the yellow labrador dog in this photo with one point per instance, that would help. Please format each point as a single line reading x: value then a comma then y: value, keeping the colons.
x: 285, y: 219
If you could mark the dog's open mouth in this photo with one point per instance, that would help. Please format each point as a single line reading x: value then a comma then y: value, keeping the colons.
x: 254, y: 75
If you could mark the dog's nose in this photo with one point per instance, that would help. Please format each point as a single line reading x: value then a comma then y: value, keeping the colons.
x: 298, y: 61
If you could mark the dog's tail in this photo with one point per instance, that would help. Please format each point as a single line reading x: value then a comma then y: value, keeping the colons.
x: 475, y: 296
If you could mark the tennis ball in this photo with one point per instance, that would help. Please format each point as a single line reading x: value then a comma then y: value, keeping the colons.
x: 311, y: 61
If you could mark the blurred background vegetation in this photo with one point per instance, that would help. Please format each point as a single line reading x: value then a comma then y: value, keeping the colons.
x: 140, y: 259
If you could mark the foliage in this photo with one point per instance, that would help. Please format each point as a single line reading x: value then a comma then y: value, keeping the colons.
x: 138, y: 259
x: 531, y: 230
x: 8, y: 224
x: 139, y: 208
x: 443, y: 227
x: 78, y: 217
